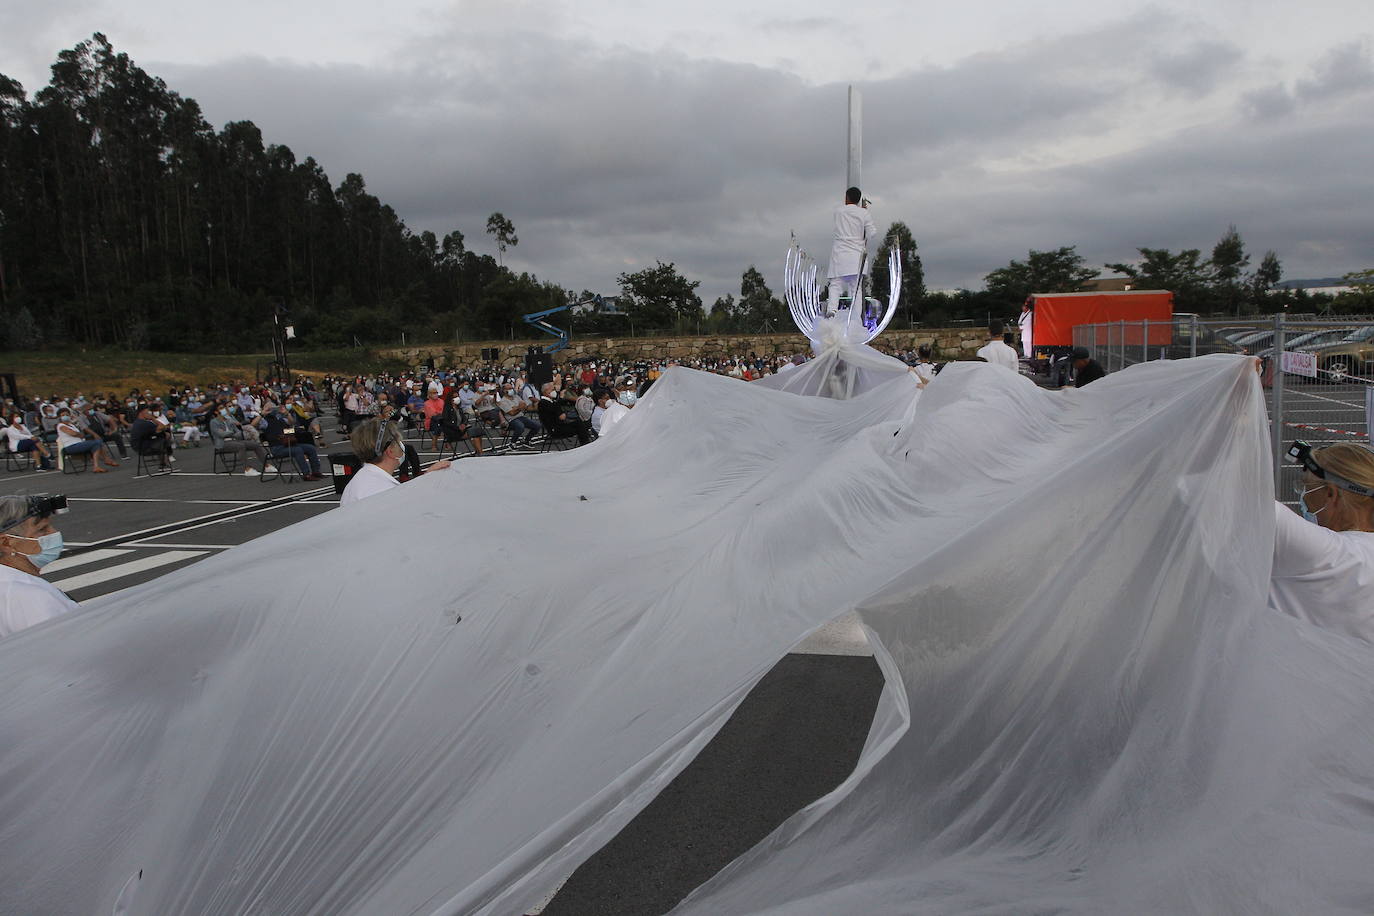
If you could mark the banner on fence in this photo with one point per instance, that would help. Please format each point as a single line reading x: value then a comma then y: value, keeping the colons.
x: 1296, y: 363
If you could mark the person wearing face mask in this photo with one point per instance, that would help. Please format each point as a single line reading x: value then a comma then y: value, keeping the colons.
x: 28, y: 542
x: 227, y: 435
x: 519, y: 423
x: 381, y: 448
x: 21, y: 440
x: 1324, y: 561
x: 73, y: 441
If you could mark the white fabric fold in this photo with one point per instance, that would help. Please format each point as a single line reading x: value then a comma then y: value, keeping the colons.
x: 1087, y: 699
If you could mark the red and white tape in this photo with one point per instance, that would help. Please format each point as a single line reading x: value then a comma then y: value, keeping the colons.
x: 1324, y: 429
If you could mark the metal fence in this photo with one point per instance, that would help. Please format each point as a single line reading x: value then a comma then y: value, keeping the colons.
x: 1319, y: 374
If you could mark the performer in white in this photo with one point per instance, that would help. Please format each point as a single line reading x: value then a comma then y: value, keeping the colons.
x: 1025, y: 322
x: 854, y: 230
x: 997, y: 352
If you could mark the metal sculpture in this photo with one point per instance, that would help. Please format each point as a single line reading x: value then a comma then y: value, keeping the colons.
x: 804, y: 296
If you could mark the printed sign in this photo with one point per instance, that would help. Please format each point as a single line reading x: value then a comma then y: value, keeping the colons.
x: 1299, y: 363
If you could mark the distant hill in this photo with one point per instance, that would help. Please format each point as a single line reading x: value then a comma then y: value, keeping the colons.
x: 1311, y: 284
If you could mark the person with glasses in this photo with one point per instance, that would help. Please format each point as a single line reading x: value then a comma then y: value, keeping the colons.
x: 1324, y: 560
x: 379, y: 445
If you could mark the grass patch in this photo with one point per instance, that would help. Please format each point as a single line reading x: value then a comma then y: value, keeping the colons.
x: 46, y: 372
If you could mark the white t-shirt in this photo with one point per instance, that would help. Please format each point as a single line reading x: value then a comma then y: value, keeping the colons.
x: 65, y: 438
x: 26, y: 600
x: 16, y: 435
x: 368, y: 480
x: 854, y: 229
x: 999, y: 354
x: 1322, y: 576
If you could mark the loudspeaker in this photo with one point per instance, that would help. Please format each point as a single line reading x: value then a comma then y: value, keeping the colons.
x: 538, y: 368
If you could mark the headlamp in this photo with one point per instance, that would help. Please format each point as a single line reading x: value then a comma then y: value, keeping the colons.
x: 1301, y: 452
x: 41, y: 507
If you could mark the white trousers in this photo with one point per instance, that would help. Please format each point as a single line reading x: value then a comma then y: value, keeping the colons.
x: 840, y: 287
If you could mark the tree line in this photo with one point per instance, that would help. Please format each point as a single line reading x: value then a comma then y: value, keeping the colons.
x: 127, y: 220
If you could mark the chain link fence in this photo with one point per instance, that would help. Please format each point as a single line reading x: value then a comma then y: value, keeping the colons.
x: 1318, y: 373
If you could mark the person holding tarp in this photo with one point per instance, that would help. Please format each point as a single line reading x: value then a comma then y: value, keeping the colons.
x: 381, y: 447
x: 28, y: 542
x: 1324, y: 572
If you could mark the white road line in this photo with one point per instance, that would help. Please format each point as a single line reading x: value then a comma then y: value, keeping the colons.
x: 286, y: 500
x: 183, y: 474
x: 218, y: 521
x: 81, y: 559
x: 72, y: 583
x: 159, y: 499
x: 183, y: 546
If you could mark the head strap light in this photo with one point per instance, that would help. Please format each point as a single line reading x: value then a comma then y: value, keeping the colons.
x: 1301, y: 452
x: 41, y: 507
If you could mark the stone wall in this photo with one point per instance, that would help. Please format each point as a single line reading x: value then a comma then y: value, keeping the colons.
x: 948, y: 343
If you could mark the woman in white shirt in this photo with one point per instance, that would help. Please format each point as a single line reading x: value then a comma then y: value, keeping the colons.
x: 21, y: 440
x: 382, y: 448
x: 28, y: 542
x: 1324, y: 561
x: 72, y: 441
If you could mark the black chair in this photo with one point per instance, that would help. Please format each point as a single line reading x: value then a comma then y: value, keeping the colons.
x: 149, y: 465
x: 451, y: 442
x: 17, y: 461
x: 283, y: 469
x: 226, y: 458
x: 558, y: 442
x: 69, y: 463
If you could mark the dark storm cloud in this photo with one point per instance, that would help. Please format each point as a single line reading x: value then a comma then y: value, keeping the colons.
x: 607, y: 160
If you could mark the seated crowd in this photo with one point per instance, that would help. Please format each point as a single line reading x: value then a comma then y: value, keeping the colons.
x: 264, y: 422
x: 252, y: 426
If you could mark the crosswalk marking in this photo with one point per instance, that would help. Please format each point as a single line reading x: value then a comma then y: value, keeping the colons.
x: 81, y: 559
x: 72, y: 583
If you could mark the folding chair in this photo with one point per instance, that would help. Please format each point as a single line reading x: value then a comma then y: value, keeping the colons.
x: 226, y: 458
x: 69, y: 462
x: 149, y: 466
x: 283, y: 469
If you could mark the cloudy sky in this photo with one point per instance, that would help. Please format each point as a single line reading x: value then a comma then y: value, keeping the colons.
x: 613, y: 134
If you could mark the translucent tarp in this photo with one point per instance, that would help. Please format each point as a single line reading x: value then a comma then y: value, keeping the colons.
x: 435, y: 702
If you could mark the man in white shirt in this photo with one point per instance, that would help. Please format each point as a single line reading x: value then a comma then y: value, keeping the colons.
x: 1025, y: 323
x: 997, y: 352
x: 854, y: 230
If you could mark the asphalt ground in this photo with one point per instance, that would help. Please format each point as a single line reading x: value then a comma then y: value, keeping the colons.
x: 794, y: 738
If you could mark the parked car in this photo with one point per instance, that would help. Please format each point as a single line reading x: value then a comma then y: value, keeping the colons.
x: 1208, y: 340
x: 1256, y: 340
x: 1352, y: 355
x: 1236, y: 333
x: 1305, y: 343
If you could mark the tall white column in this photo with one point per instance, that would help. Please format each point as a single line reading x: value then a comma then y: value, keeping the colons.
x: 856, y: 140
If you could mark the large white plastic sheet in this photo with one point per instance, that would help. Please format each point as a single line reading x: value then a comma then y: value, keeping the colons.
x: 1089, y: 706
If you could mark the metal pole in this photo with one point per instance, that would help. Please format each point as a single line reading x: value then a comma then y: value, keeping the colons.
x: 1276, y: 423
x: 1192, y: 345
x: 854, y: 164
x: 1145, y: 341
